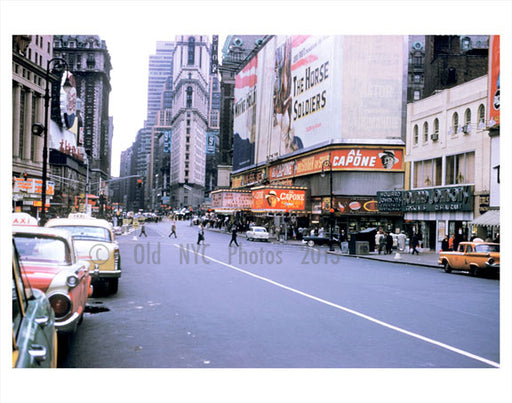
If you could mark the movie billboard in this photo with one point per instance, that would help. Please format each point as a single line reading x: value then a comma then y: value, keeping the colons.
x: 278, y: 200
x: 301, y: 91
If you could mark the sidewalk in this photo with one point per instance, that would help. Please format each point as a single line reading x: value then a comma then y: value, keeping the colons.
x: 427, y: 258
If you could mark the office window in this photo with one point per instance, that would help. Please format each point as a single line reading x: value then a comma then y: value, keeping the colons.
x: 190, y: 51
x: 425, y: 132
x: 455, y: 123
x: 428, y: 173
x: 467, y: 117
x: 460, y: 168
x: 481, y: 116
x: 415, y: 134
x: 189, y: 97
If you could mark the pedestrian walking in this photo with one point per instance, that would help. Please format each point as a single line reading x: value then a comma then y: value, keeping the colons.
x: 401, y: 241
x: 143, y: 229
x: 200, y: 234
x: 445, y: 244
x: 414, y: 244
x: 173, y: 230
x: 451, y: 242
x: 382, y: 243
x: 389, y: 243
x: 233, y: 236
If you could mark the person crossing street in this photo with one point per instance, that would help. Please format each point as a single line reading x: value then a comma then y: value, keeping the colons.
x: 233, y: 236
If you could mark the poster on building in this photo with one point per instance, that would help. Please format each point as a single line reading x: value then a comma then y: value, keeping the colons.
x: 302, y: 91
x: 494, y: 81
x: 278, y: 200
x: 244, y: 112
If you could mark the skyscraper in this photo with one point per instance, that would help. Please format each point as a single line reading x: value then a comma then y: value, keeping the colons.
x: 189, y: 120
x: 159, y: 73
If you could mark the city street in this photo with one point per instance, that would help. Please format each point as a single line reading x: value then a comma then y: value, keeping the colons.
x: 270, y: 305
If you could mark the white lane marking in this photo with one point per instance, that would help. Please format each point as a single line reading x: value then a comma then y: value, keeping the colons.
x: 351, y: 311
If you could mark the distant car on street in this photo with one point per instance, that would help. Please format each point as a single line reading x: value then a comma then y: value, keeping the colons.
x: 257, y: 233
x: 312, y: 240
x: 49, y: 263
x: 34, y: 338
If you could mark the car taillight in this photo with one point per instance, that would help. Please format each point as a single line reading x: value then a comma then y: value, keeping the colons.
x: 116, y: 257
x: 61, y: 305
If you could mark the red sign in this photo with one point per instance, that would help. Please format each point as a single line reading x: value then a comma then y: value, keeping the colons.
x: 281, y: 200
x: 368, y: 159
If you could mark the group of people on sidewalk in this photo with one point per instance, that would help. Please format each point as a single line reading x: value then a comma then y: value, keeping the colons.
x: 384, y: 242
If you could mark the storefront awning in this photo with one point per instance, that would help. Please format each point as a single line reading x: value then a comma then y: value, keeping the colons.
x: 490, y: 218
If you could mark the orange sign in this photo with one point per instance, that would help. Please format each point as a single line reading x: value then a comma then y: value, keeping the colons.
x: 274, y: 199
x: 494, y: 81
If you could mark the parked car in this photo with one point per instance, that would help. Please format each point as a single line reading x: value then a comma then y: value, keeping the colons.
x: 49, y: 263
x: 257, y: 233
x: 34, y: 338
x: 95, y: 242
x: 473, y: 257
x: 118, y: 230
x: 312, y: 240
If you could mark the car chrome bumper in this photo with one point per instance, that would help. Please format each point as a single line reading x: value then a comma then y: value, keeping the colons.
x: 68, y: 325
x: 107, y: 273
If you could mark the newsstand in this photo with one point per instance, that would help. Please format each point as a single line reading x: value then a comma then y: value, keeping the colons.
x: 362, y: 242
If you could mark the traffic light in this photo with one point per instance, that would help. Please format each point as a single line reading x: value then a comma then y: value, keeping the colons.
x: 139, y: 183
x: 25, y: 175
x: 332, y: 210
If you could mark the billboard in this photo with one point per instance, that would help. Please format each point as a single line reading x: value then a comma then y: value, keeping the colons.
x: 222, y: 200
x: 301, y: 91
x: 278, y: 200
x: 494, y: 81
x: 244, y: 112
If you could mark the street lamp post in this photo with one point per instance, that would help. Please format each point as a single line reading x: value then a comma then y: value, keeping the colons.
x: 59, y: 66
x: 328, y: 164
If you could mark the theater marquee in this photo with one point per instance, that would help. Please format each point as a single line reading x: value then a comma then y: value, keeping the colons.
x: 278, y: 200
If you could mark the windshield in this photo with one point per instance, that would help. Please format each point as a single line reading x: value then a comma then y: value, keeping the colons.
x: 487, y: 248
x: 42, y: 249
x: 83, y: 232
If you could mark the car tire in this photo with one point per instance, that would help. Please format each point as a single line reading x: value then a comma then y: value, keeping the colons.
x: 447, y: 267
x: 113, y: 285
x: 473, y: 271
x: 311, y: 243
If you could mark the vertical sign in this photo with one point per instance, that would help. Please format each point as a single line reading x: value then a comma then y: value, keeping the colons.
x: 214, y: 58
x: 494, y: 81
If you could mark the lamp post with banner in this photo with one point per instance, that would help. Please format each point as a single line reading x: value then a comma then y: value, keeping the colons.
x: 59, y: 65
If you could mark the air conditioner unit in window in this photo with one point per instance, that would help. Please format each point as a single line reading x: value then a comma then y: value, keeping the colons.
x: 466, y: 129
x: 434, y: 136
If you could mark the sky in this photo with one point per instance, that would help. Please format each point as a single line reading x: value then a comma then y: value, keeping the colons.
x: 129, y: 81
x: 131, y: 29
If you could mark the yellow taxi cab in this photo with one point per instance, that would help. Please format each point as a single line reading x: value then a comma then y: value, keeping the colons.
x: 95, y: 241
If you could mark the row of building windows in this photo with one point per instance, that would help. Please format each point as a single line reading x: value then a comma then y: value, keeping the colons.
x: 459, y: 169
x: 455, y: 127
